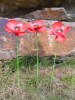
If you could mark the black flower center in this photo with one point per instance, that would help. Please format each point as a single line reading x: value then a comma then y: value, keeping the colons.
x: 17, y: 27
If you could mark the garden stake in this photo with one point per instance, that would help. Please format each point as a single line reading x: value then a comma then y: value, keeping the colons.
x: 37, y: 59
x: 17, y: 61
x: 18, y: 29
x: 54, y: 63
x: 59, y: 31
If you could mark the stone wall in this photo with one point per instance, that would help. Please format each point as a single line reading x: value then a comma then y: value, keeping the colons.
x: 47, y: 45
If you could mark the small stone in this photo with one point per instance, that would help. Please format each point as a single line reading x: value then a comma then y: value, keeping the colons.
x: 49, y: 13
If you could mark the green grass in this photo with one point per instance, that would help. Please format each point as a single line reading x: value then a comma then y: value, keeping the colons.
x: 70, y: 80
x: 68, y: 61
x: 8, y: 79
x: 29, y: 62
x: 10, y: 91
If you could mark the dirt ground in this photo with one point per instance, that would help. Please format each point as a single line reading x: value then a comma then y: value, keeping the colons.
x: 61, y: 90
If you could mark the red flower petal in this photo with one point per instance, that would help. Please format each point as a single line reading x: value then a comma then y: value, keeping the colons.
x: 30, y: 25
x: 53, y: 32
x: 50, y: 31
x: 36, y: 26
x: 56, y: 25
x: 65, y: 30
x: 18, y: 28
x: 39, y: 23
x: 20, y: 33
x: 11, y: 24
x: 31, y: 30
x: 42, y: 29
x: 8, y: 30
x: 60, y: 38
x: 22, y: 26
x: 59, y: 31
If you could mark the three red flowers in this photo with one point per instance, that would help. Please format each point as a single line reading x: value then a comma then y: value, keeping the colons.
x: 20, y: 28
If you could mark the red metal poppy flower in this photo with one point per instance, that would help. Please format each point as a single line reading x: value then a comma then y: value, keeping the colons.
x: 13, y: 26
x: 36, y: 26
x: 58, y: 30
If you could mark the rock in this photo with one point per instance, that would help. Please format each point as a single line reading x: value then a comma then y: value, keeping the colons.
x: 49, y: 13
x: 47, y: 45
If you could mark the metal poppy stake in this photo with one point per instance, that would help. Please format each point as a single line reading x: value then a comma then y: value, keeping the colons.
x: 18, y: 29
x: 37, y: 59
x: 54, y: 64
x: 17, y: 61
x: 58, y: 30
x: 36, y: 27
